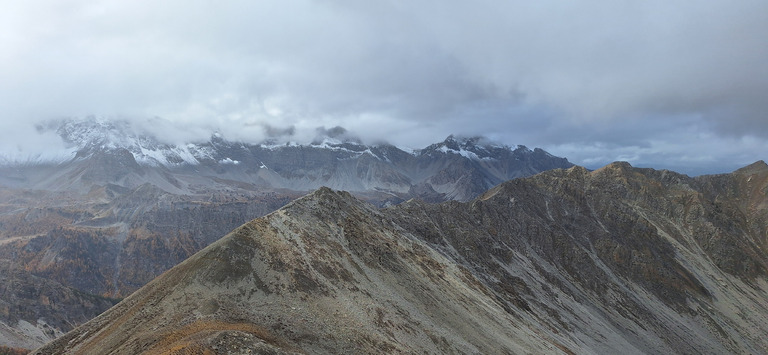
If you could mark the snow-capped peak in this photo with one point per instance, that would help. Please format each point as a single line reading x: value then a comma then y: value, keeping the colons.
x: 84, y: 137
x: 97, y: 134
x: 475, y: 148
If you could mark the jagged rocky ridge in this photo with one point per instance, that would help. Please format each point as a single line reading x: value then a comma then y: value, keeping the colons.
x: 619, y: 260
x: 112, y: 152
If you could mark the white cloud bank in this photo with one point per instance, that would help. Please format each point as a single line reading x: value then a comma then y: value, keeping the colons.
x: 665, y: 84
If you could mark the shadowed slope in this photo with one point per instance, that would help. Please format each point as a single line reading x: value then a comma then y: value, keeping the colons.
x: 620, y: 259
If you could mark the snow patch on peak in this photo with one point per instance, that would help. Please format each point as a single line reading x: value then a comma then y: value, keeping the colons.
x: 327, y: 142
x: 409, y: 150
x: 95, y: 134
x: 523, y: 149
x: 474, y: 148
x: 465, y: 153
x: 276, y: 146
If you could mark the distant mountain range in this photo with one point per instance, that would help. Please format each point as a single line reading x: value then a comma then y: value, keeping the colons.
x: 111, y: 152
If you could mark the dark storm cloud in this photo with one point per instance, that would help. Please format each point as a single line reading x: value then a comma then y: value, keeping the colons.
x: 594, y: 80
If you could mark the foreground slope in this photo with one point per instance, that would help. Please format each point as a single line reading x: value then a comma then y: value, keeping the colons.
x: 326, y: 274
x: 619, y: 260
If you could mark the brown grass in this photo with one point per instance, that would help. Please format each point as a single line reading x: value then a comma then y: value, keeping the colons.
x: 4, y: 350
x: 188, y: 339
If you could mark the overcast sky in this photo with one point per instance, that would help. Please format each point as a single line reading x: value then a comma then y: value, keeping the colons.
x: 665, y: 84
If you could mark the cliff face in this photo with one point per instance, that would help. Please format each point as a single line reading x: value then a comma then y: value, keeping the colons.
x: 569, y: 261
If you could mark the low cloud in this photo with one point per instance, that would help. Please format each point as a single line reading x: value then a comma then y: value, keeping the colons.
x: 590, y: 80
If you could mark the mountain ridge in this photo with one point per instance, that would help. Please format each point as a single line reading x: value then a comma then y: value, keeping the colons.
x: 112, y: 152
x: 619, y: 259
x: 93, y: 134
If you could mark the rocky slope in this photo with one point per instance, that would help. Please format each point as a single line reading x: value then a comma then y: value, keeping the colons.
x: 109, y: 243
x: 619, y: 260
x: 115, y: 240
x: 34, y: 310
